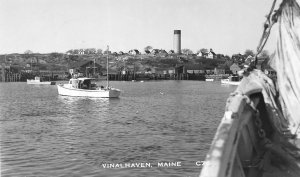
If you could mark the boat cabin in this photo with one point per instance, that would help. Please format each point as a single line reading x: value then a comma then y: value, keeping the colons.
x: 234, y: 78
x: 37, y: 78
x: 83, y: 83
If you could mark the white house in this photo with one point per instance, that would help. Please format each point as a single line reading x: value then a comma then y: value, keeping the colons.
x: 134, y: 52
x: 207, y: 54
x: 81, y: 52
x: 211, y: 54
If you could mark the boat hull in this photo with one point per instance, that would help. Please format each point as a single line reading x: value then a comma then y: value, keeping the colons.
x: 248, y: 142
x: 35, y: 82
x: 227, y: 81
x: 101, y: 93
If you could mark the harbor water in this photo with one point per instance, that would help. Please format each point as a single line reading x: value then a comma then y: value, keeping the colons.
x: 156, y: 128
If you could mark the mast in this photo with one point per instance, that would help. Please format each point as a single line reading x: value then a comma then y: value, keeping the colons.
x: 94, y: 66
x: 133, y: 71
x: 107, y: 82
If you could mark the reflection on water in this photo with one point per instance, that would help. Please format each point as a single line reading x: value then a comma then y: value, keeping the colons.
x: 84, y: 105
x: 43, y: 134
x: 70, y: 100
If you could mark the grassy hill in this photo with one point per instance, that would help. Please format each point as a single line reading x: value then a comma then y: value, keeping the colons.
x: 61, y: 62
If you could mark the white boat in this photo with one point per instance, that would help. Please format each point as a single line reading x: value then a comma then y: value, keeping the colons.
x: 209, y: 80
x: 38, y: 80
x: 259, y: 134
x: 83, y: 87
x: 232, y: 80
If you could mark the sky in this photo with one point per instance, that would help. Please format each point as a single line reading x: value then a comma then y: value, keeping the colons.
x: 43, y: 26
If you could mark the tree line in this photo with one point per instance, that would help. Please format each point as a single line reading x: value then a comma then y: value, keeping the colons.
x: 235, y: 58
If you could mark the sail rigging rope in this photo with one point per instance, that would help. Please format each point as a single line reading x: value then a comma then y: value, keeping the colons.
x: 270, y: 21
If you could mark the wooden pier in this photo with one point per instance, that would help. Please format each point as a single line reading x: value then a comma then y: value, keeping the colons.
x: 130, y: 77
x: 7, y: 76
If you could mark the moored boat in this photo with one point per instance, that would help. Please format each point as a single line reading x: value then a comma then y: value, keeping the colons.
x: 209, y: 80
x: 83, y: 87
x: 39, y: 81
x: 259, y: 134
x: 232, y: 80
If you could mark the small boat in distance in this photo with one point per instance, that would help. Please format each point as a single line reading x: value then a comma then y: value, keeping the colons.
x: 39, y: 81
x: 83, y: 87
x: 232, y: 80
x: 209, y: 80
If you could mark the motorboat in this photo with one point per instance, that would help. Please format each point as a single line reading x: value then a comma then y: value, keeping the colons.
x: 209, y: 80
x: 39, y: 81
x: 83, y: 87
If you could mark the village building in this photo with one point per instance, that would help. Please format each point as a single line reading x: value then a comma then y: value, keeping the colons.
x: 162, y: 71
x: 147, y: 52
x: 163, y: 53
x: 211, y: 54
x: 134, y: 52
x: 234, y: 68
x: 86, y: 68
x: 219, y: 70
x: 81, y: 52
x: 171, y: 52
x: 207, y: 54
x: 154, y: 51
x: 193, y: 69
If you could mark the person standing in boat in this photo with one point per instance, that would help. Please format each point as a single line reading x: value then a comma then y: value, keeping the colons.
x: 79, y: 84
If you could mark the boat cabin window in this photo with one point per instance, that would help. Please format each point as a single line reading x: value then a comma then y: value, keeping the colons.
x: 235, y: 78
x: 86, y: 84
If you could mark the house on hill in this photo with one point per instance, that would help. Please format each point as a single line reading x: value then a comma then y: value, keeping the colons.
x: 133, y: 52
x: 211, y: 54
x: 171, y: 52
x: 207, y: 54
x: 115, y: 54
x: 147, y: 52
x: 163, y: 53
x: 154, y: 51
x: 238, y: 58
x: 81, y: 51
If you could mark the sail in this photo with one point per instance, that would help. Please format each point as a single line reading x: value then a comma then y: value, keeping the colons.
x: 286, y: 61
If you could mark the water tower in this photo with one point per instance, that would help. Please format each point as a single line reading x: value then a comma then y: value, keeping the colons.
x: 177, y: 41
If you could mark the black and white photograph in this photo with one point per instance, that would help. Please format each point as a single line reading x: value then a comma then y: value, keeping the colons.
x: 149, y: 88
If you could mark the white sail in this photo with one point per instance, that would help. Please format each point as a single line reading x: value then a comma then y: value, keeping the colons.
x: 287, y: 61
